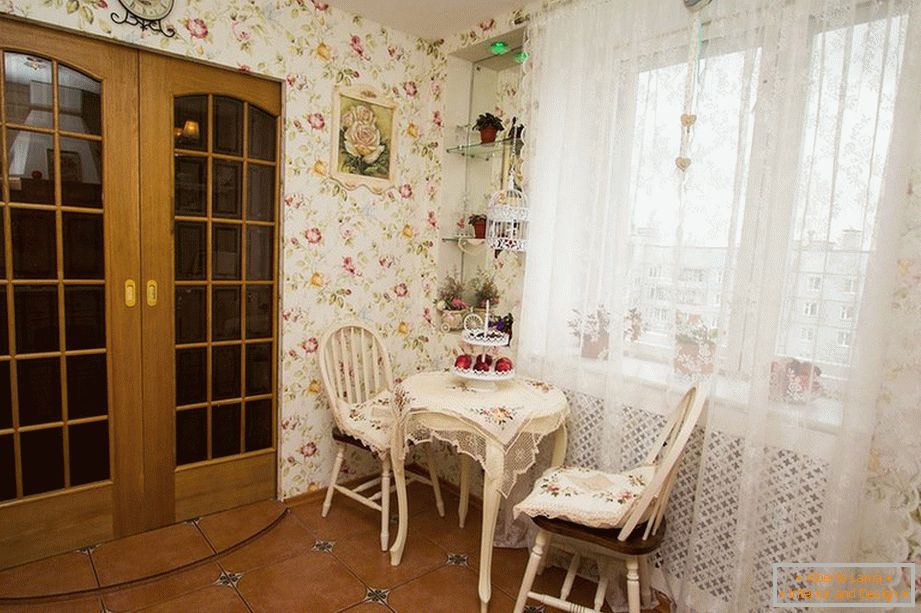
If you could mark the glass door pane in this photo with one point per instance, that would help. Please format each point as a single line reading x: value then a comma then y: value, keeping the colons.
x: 224, y: 216
x: 54, y: 390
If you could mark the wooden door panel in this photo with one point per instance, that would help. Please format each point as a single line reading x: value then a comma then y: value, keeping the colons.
x: 209, y: 201
x: 70, y: 223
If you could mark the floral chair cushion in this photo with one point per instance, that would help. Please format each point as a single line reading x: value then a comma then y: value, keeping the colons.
x: 370, y: 421
x: 585, y: 496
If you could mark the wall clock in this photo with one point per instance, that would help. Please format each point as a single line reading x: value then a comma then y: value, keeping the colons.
x: 146, y: 14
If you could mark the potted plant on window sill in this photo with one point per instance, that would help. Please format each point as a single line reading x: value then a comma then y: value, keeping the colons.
x: 478, y: 222
x: 489, y: 127
x: 593, y: 331
x: 695, y: 345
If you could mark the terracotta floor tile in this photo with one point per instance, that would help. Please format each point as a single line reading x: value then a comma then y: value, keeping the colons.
x: 214, y: 599
x: 444, y: 531
x: 84, y: 605
x: 162, y: 590
x: 362, y: 553
x: 288, y: 538
x: 309, y: 582
x: 228, y: 528
x: 452, y: 589
x: 148, y: 553
x: 346, y: 516
x: 67, y: 572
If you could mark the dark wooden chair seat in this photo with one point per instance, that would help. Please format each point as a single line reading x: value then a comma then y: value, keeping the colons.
x: 635, y: 545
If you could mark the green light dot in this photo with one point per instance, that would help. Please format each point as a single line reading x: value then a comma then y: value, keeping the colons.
x: 498, y: 48
x: 521, y: 57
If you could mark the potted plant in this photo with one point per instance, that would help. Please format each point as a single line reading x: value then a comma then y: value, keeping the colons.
x: 795, y: 381
x: 489, y: 126
x: 479, y: 225
x: 451, y: 303
x: 695, y: 345
x: 633, y: 325
x: 485, y: 290
x: 593, y: 331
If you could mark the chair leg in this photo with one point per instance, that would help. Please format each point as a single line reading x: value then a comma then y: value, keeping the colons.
x: 433, y: 477
x: 464, y: 501
x: 538, y: 552
x: 645, y: 584
x: 633, y: 585
x: 385, y: 502
x: 337, y: 466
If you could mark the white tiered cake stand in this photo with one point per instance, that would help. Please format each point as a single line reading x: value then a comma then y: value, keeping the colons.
x: 477, y: 333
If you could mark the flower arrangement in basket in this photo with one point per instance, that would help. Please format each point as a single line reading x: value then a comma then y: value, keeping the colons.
x: 450, y: 302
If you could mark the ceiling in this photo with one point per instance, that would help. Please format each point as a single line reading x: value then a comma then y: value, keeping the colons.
x: 431, y: 19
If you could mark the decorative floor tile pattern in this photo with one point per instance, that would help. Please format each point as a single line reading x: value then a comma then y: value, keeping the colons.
x: 378, y: 595
x: 304, y: 562
x: 228, y: 579
x: 457, y: 559
x: 324, y: 546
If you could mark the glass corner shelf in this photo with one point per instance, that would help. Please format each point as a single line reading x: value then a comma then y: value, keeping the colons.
x: 483, y: 151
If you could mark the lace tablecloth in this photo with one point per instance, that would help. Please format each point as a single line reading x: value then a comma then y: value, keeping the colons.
x: 503, y: 415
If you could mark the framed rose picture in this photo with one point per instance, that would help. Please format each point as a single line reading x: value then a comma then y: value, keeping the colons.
x: 364, y: 139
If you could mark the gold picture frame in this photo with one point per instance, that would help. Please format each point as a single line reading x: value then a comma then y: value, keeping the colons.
x: 364, y: 139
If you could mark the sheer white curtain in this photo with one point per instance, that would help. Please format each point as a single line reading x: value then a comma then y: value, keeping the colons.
x: 766, y: 265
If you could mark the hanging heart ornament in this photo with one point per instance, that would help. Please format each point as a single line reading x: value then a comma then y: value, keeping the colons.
x: 688, y: 120
x: 682, y: 163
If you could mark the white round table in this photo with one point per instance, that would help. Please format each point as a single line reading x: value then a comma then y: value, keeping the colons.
x: 500, y: 429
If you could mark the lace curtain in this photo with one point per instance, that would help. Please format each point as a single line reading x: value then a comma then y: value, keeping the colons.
x: 766, y: 264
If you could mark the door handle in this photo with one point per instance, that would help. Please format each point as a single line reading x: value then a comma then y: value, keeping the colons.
x: 151, y: 293
x: 131, y: 293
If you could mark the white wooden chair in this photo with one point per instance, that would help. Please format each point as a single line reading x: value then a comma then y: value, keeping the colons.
x: 356, y: 374
x: 607, y: 516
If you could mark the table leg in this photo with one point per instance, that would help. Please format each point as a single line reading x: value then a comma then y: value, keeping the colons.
x: 559, y: 446
x: 465, y: 464
x: 492, y: 481
x: 399, y: 479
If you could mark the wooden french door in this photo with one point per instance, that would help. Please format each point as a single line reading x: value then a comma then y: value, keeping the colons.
x: 137, y: 290
x: 209, y: 212
x: 69, y: 345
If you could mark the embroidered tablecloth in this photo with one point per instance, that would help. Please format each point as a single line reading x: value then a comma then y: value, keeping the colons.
x: 502, y: 415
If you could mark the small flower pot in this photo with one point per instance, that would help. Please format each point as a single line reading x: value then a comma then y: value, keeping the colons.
x: 488, y: 135
x: 479, y: 229
x: 595, y: 348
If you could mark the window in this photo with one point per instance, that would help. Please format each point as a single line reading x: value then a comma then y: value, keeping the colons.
x: 844, y: 339
x: 810, y: 309
x: 847, y: 313
x: 807, y: 334
x: 815, y: 282
x: 696, y: 275
x: 654, y: 272
x: 850, y: 285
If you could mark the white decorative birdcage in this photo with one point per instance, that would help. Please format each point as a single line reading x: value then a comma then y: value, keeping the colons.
x: 507, y: 219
